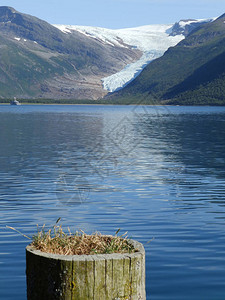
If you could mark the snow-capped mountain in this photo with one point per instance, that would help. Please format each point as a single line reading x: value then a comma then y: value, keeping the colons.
x: 191, y: 73
x: 39, y: 60
x: 151, y: 40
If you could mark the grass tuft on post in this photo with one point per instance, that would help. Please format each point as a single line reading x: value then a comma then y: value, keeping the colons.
x: 56, y: 241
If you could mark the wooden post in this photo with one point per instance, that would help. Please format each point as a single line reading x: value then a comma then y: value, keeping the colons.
x: 86, y: 277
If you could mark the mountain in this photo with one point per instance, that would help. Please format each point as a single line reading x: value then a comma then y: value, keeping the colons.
x: 39, y: 60
x: 191, y: 73
x: 151, y: 40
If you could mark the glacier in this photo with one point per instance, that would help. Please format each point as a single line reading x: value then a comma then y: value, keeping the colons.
x: 151, y: 40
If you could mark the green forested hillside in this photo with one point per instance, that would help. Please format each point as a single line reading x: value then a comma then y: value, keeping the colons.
x: 37, y: 60
x: 191, y: 73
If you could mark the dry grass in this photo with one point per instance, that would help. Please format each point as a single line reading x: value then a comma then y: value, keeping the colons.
x: 56, y: 241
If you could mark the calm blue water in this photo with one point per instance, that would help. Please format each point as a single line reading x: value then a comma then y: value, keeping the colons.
x: 156, y: 172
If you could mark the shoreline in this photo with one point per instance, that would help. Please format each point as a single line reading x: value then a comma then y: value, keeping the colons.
x: 99, y: 103
x: 109, y: 104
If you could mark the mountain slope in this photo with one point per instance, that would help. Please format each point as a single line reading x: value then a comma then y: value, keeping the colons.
x: 151, y: 40
x: 190, y: 73
x: 39, y: 60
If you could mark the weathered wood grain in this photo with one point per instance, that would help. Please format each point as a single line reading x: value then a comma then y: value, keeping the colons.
x: 86, y: 277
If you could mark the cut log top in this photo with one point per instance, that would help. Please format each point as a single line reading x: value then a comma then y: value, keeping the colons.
x: 138, y: 247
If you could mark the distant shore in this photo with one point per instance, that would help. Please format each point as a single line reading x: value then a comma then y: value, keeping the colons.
x: 103, y: 102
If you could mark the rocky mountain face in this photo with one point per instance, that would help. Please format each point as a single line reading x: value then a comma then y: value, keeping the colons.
x: 37, y: 60
x: 191, y: 73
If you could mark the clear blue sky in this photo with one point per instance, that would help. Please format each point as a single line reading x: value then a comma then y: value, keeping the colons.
x: 117, y: 13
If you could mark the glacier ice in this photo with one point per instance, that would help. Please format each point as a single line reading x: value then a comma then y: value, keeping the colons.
x: 151, y: 40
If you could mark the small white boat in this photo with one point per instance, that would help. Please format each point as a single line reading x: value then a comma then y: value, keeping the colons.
x: 15, y: 102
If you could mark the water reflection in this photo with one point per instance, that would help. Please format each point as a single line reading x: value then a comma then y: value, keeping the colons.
x: 154, y: 171
x: 184, y: 151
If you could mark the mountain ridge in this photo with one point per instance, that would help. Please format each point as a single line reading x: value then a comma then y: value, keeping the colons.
x: 190, y: 73
x: 151, y: 40
x: 61, y: 66
x: 39, y: 60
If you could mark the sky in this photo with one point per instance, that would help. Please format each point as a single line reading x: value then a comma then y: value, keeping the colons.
x: 117, y: 14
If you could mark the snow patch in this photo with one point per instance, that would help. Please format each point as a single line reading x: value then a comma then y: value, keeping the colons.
x: 104, y: 35
x: 63, y: 28
x: 183, y: 23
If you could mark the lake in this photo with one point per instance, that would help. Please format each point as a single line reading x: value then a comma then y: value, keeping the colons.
x: 157, y: 172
